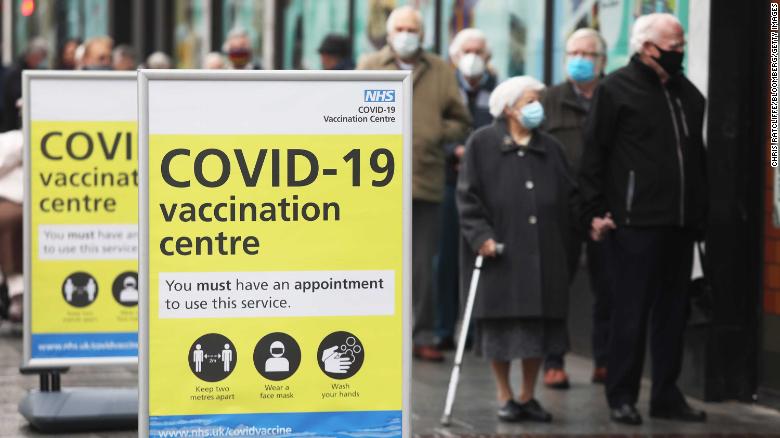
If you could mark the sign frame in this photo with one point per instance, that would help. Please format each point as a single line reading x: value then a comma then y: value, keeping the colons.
x: 27, y: 77
x: 144, y: 76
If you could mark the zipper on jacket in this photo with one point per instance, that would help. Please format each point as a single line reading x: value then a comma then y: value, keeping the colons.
x: 630, y: 195
x: 679, y: 156
x: 682, y: 116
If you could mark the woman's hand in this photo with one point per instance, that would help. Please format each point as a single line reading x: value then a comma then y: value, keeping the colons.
x: 488, y: 249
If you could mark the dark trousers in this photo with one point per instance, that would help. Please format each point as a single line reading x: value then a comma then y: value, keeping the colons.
x: 600, y: 284
x: 447, y: 267
x: 651, y: 269
x: 425, y: 236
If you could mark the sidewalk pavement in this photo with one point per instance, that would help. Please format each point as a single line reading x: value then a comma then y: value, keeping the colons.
x: 580, y: 410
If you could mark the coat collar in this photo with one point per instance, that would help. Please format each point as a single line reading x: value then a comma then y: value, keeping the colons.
x: 509, y: 145
x: 570, y: 99
x: 387, y: 61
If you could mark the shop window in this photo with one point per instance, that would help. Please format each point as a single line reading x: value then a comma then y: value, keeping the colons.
x: 514, y: 29
x: 190, y: 33
x: 306, y: 23
x: 613, y: 18
x: 247, y: 15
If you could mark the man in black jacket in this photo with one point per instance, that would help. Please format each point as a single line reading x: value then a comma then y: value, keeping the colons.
x: 643, y: 183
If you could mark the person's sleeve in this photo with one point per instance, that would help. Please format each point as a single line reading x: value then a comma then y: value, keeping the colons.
x: 11, y: 150
x: 362, y: 63
x: 599, y: 137
x: 456, y: 121
x: 474, y: 221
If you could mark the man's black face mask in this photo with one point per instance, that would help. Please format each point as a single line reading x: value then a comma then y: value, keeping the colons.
x: 669, y: 60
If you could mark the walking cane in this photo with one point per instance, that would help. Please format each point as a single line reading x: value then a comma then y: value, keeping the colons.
x: 464, y: 329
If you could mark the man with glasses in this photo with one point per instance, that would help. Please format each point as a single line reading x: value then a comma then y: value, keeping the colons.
x: 566, y: 105
x: 643, y: 180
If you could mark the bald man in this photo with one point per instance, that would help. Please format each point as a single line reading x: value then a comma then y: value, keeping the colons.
x: 97, y: 54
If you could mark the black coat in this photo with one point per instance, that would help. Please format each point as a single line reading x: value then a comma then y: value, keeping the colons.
x: 521, y: 197
x: 644, y: 158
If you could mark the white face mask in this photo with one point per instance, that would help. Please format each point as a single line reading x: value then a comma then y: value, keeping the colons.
x: 405, y: 44
x: 471, y: 65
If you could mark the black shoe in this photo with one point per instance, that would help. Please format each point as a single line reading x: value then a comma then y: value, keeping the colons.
x: 533, y: 411
x: 510, y: 412
x: 446, y: 343
x: 626, y: 414
x: 680, y: 413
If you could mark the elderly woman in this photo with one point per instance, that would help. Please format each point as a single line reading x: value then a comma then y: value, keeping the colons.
x: 515, y: 188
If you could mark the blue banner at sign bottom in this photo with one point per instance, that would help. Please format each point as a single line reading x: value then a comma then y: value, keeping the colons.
x: 84, y: 345
x: 364, y: 424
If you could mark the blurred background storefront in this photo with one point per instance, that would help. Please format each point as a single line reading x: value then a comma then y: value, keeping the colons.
x: 733, y: 349
x: 527, y: 35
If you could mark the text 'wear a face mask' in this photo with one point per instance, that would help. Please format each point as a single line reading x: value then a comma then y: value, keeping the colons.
x: 405, y: 44
x: 581, y: 69
x: 531, y: 115
x: 471, y: 65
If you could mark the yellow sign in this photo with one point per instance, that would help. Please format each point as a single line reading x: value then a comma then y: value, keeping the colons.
x: 275, y: 266
x: 84, y: 238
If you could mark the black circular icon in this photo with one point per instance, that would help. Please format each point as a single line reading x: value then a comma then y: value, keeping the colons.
x: 212, y: 357
x: 277, y: 356
x: 80, y: 289
x: 125, y: 289
x: 340, y: 355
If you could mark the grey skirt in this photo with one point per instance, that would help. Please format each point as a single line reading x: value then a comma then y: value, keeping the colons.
x: 506, y: 339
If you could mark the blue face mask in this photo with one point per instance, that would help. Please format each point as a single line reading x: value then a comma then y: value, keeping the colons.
x: 531, y: 115
x: 581, y: 69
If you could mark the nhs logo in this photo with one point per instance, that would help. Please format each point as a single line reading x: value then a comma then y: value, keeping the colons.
x: 378, y: 95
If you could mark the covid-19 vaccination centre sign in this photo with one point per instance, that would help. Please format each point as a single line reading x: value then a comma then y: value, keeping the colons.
x: 275, y: 253
x: 81, y: 218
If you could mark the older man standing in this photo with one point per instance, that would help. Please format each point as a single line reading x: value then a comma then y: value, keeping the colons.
x: 644, y: 185
x: 439, y: 117
x: 470, y: 52
x: 566, y: 106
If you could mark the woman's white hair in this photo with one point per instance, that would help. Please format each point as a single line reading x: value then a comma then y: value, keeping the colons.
x: 508, y: 92
x: 396, y: 11
x: 646, y: 29
x: 464, y: 36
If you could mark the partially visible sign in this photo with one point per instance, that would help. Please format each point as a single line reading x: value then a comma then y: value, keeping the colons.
x: 81, y: 215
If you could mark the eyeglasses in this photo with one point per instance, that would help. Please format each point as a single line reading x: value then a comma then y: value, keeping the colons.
x: 583, y: 54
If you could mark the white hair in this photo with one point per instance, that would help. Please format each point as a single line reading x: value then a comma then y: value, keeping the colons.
x: 214, y: 60
x: 78, y: 54
x: 158, y: 60
x: 464, y: 36
x: 37, y: 45
x: 508, y: 92
x: 586, y: 32
x: 396, y: 11
x: 645, y: 29
x: 236, y: 32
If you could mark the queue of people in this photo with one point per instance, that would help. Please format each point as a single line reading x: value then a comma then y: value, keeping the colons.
x: 612, y: 163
